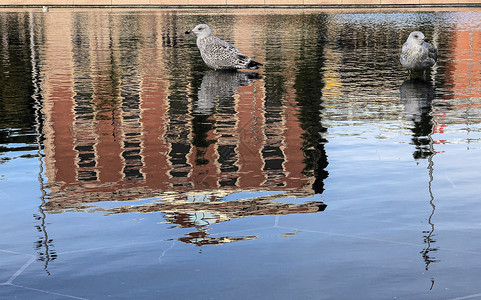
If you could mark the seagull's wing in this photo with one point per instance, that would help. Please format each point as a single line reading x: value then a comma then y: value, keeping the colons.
x: 405, y: 51
x: 432, y: 51
x: 225, y: 52
x: 405, y: 47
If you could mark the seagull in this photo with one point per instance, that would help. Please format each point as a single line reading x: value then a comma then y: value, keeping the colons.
x: 417, y: 53
x: 219, y: 54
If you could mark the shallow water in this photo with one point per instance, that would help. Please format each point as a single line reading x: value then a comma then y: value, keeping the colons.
x: 129, y: 169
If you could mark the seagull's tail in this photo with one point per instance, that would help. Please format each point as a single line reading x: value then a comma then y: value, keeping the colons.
x: 252, y: 65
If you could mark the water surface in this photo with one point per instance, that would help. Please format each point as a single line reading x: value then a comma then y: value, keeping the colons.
x: 130, y: 169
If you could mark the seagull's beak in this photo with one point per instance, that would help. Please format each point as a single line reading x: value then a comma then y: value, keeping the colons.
x: 188, y: 32
x: 426, y: 40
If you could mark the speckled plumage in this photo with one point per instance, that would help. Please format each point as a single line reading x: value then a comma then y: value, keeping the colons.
x: 417, y: 54
x: 219, y: 54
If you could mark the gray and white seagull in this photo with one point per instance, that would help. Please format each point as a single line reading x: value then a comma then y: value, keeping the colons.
x: 219, y: 54
x: 417, y: 53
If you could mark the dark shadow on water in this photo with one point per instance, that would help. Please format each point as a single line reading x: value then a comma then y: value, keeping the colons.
x: 309, y: 83
x: 44, y: 245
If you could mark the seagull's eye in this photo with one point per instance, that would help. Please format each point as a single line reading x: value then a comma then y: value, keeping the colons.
x: 416, y: 36
x: 201, y: 28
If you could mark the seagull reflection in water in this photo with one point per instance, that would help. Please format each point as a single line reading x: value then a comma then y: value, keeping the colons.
x: 220, y: 85
x: 417, y: 96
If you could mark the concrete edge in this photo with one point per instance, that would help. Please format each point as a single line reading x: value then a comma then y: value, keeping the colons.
x: 261, y: 6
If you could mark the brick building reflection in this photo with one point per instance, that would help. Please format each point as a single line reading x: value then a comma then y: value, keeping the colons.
x: 128, y: 118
